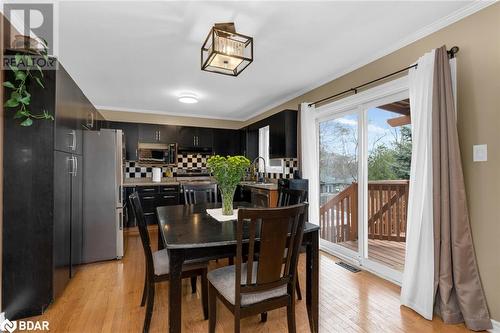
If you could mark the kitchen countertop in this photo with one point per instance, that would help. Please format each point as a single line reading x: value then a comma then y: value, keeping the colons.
x: 267, y: 186
x: 131, y: 182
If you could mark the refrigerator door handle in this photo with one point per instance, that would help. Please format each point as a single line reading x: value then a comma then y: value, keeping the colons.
x: 120, y: 219
x: 120, y: 195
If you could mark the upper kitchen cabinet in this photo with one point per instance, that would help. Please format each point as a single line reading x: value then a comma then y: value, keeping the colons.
x: 152, y: 133
x: 226, y: 142
x: 283, y: 134
x: 168, y: 133
x: 71, y: 111
x: 251, y: 141
x: 131, y: 133
x: 148, y: 133
x: 195, y: 138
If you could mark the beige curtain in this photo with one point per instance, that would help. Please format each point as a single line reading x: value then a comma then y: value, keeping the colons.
x: 458, y: 289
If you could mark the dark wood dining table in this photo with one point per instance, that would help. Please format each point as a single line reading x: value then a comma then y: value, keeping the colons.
x: 189, y: 233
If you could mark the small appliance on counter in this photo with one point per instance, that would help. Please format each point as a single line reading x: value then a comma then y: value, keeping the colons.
x: 158, y: 153
x: 157, y: 175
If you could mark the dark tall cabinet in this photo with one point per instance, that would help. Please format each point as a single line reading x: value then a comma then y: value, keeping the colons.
x: 42, y: 216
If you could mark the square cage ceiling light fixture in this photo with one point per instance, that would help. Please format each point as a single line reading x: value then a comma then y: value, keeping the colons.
x: 225, y: 51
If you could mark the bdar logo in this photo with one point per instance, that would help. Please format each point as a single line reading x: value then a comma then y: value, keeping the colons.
x: 8, y: 325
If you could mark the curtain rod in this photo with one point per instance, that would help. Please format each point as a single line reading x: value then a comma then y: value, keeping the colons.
x: 454, y: 50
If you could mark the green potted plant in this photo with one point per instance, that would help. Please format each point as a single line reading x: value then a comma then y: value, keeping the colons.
x: 228, y: 172
x: 24, y: 70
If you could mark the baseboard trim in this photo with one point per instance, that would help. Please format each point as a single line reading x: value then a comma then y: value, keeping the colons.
x: 496, y: 326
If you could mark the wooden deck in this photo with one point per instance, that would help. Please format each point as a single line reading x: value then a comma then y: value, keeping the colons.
x: 389, y: 253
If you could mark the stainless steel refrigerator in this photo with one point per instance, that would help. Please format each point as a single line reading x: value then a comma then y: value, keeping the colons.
x: 102, y: 196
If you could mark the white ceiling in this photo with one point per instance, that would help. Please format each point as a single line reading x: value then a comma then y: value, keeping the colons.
x: 138, y: 56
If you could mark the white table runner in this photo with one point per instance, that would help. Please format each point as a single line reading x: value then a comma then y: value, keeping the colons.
x: 216, y: 213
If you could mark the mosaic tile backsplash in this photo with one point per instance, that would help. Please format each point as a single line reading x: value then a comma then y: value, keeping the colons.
x: 188, y: 161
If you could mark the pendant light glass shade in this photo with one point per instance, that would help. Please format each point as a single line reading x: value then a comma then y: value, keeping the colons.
x: 225, y: 51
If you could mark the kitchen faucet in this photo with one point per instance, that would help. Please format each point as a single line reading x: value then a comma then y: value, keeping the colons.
x: 258, y: 172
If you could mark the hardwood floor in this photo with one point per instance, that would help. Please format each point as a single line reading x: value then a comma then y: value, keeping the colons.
x: 389, y: 253
x: 105, y: 297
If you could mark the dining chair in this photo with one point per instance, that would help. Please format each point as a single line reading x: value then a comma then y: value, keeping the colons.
x: 157, y: 267
x: 199, y: 193
x: 287, y: 197
x: 258, y: 286
x: 260, y: 199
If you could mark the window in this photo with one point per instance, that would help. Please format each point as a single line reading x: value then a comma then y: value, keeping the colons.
x: 272, y: 165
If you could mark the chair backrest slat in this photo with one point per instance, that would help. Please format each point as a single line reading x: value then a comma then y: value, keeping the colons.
x: 287, y: 197
x: 143, y: 229
x: 199, y: 193
x: 279, y: 231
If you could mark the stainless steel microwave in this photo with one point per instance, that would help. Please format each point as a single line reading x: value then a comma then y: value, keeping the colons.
x: 158, y: 153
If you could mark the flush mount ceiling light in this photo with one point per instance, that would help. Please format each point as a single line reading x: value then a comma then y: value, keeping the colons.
x: 188, y: 98
x: 225, y: 51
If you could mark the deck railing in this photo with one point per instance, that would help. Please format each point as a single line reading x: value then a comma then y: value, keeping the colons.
x: 387, y: 212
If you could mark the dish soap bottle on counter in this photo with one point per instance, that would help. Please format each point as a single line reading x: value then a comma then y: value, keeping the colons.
x: 169, y: 173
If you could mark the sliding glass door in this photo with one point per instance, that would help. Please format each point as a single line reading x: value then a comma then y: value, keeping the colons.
x: 364, y: 167
x: 338, y: 173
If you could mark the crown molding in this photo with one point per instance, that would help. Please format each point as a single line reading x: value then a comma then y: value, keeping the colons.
x: 162, y: 112
x: 443, y: 22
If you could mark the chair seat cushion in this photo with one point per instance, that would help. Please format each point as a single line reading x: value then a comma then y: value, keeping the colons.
x: 223, y: 279
x: 161, y: 263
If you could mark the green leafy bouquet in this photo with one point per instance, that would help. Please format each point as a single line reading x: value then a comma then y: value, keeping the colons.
x: 228, y: 171
x: 25, y: 69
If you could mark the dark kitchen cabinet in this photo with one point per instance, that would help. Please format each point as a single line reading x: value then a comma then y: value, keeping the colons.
x: 283, y: 134
x: 131, y: 133
x: 157, y: 195
x: 71, y: 115
x: 42, y: 196
x: 90, y: 120
x: 252, y: 143
x: 168, y: 133
x: 76, y: 213
x: 63, y: 163
x: 148, y: 133
x: 68, y: 205
x: 152, y: 133
x: 195, y: 137
x: 226, y: 142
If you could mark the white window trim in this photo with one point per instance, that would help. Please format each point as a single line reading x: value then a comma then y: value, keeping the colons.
x: 264, y: 152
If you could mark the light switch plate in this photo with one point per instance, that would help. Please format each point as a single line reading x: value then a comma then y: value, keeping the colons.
x: 480, y: 153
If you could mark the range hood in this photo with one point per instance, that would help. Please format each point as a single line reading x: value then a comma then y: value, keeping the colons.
x: 204, y: 150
